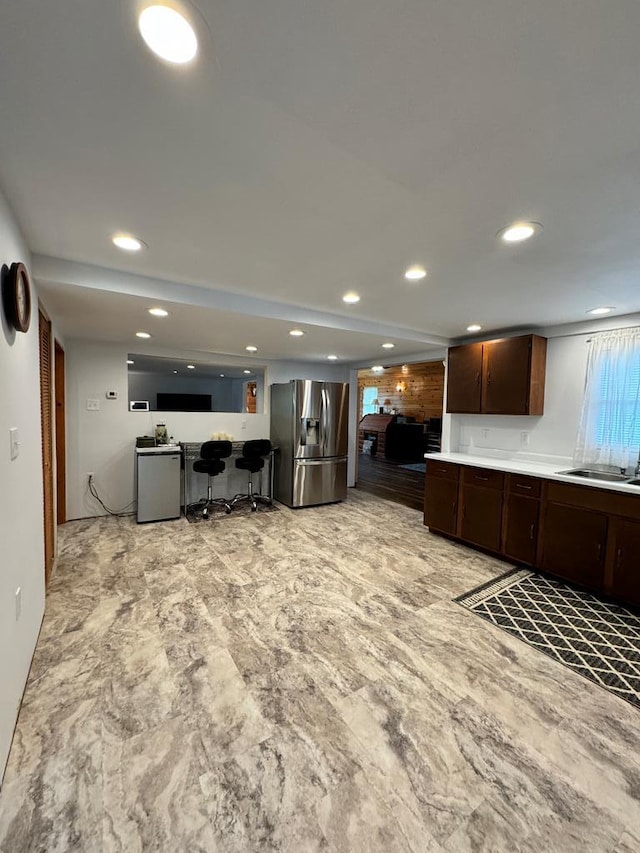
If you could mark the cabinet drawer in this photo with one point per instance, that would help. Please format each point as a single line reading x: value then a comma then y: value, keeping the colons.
x: 442, y: 469
x: 527, y: 486
x: 484, y: 477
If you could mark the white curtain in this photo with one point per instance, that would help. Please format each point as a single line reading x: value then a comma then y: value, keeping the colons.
x: 609, y: 433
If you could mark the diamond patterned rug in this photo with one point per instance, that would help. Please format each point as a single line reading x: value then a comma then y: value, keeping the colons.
x: 596, y: 638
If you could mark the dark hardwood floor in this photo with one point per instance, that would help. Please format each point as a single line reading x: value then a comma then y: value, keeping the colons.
x: 388, y: 480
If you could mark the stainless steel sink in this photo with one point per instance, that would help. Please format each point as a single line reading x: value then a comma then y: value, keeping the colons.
x: 599, y: 475
x: 633, y: 483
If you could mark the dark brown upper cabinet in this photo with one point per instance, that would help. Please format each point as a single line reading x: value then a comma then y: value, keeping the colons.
x: 501, y: 377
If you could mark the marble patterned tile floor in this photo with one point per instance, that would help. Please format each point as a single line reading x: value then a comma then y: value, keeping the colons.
x: 303, y: 681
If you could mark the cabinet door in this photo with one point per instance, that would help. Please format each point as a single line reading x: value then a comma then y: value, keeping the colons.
x: 626, y: 561
x: 505, y: 376
x: 521, y: 529
x: 481, y: 521
x: 574, y: 543
x: 464, y: 379
x: 441, y: 504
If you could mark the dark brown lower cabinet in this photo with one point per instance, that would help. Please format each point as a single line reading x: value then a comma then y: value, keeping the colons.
x: 521, y: 529
x: 481, y: 521
x: 626, y: 561
x: 574, y: 544
x: 441, y: 504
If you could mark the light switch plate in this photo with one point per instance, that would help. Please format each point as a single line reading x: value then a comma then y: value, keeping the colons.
x: 14, y: 443
x: 93, y: 405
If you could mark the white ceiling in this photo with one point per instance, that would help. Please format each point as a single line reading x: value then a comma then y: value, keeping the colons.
x: 317, y: 147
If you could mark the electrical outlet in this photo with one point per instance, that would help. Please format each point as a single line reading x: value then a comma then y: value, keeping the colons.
x: 524, y: 439
x: 112, y: 395
x: 243, y: 425
x: 18, y: 602
x: 14, y: 443
x: 484, y: 433
x: 93, y: 405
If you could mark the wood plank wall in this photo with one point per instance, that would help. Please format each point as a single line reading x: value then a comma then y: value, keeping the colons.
x: 423, y: 393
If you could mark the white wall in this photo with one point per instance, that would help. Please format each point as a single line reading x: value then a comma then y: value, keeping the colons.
x: 21, y: 528
x: 102, y: 442
x: 552, y: 436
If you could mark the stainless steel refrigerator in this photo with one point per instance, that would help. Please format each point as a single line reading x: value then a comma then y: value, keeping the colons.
x: 309, y: 424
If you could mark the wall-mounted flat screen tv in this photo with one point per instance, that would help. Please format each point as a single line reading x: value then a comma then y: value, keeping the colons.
x: 183, y: 402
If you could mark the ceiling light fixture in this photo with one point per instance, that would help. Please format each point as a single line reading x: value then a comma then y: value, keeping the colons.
x: 222, y: 376
x: 351, y: 297
x: 168, y: 34
x: 251, y: 348
x: 191, y: 367
x: 296, y: 333
x: 598, y: 312
x: 388, y: 345
x: 332, y: 357
x: 158, y: 312
x: 128, y: 242
x: 415, y: 273
x: 519, y: 231
x: 143, y: 335
x: 377, y: 368
x: 247, y: 372
x: 175, y: 371
x: 474, y: 327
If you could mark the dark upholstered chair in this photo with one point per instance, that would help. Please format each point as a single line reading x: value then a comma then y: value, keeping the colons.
x: 210, y: 463
x: 252, y: 461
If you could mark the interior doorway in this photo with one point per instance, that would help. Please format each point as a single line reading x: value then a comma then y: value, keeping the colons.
x: 46, y: 424
x: 399, y: 420
x: 61, y: 445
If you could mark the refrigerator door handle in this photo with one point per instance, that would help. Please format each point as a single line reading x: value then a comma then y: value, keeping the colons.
x: 323, y: 419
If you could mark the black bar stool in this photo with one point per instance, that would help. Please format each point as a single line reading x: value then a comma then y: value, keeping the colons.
x: 252, y: 460
x: 210, y: 463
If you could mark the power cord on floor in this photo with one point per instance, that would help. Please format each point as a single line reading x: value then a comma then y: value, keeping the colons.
x: 120, y: 513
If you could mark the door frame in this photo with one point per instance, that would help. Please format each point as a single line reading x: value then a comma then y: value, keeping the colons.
x: 46, y: 431
x: 61, y: 441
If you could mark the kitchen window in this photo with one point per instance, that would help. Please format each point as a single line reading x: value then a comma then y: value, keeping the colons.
x: 610, y: 423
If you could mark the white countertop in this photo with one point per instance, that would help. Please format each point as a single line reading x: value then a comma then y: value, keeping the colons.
x: 532, y: 469
x: 161, y: 448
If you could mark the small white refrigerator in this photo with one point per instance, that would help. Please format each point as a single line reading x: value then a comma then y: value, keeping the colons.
x: 158, y: 483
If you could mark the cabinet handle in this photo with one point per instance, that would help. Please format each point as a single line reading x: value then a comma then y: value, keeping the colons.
x: 489, y: 378
x: 619, y: 558
x: 483, y: 479
x: 532, y: 531
x: 599, y: 550
x: 522, y: 486
x: 478, y: 378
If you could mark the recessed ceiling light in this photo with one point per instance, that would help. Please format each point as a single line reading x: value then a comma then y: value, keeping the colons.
x: 296, y: 333
x: 377, y: 368
x: 222, y: 376
x: 246, y: 371
x: 127, y: 242
x: 175, y: 371
x: 332, y: 357
x: 415, y: 273
x: 143, y: 335
x: 191, y: 367
x: 388, y: 345
x: 519, y: 231
x: 474, y: 327
x: 351, y: 297
x: 130, y: 362
x: 251, y: 348
x: 158, y: 312
x: 168, y: 34
x: 598, y: 311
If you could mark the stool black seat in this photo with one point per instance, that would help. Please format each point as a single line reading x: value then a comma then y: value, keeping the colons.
x: 252, y: 460
x: 211, y: 463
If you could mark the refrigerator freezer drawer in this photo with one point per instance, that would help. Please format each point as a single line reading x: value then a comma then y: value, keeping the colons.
x: 319, y: 481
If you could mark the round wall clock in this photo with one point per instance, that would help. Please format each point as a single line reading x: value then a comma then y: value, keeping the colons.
x: 17, y: 297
